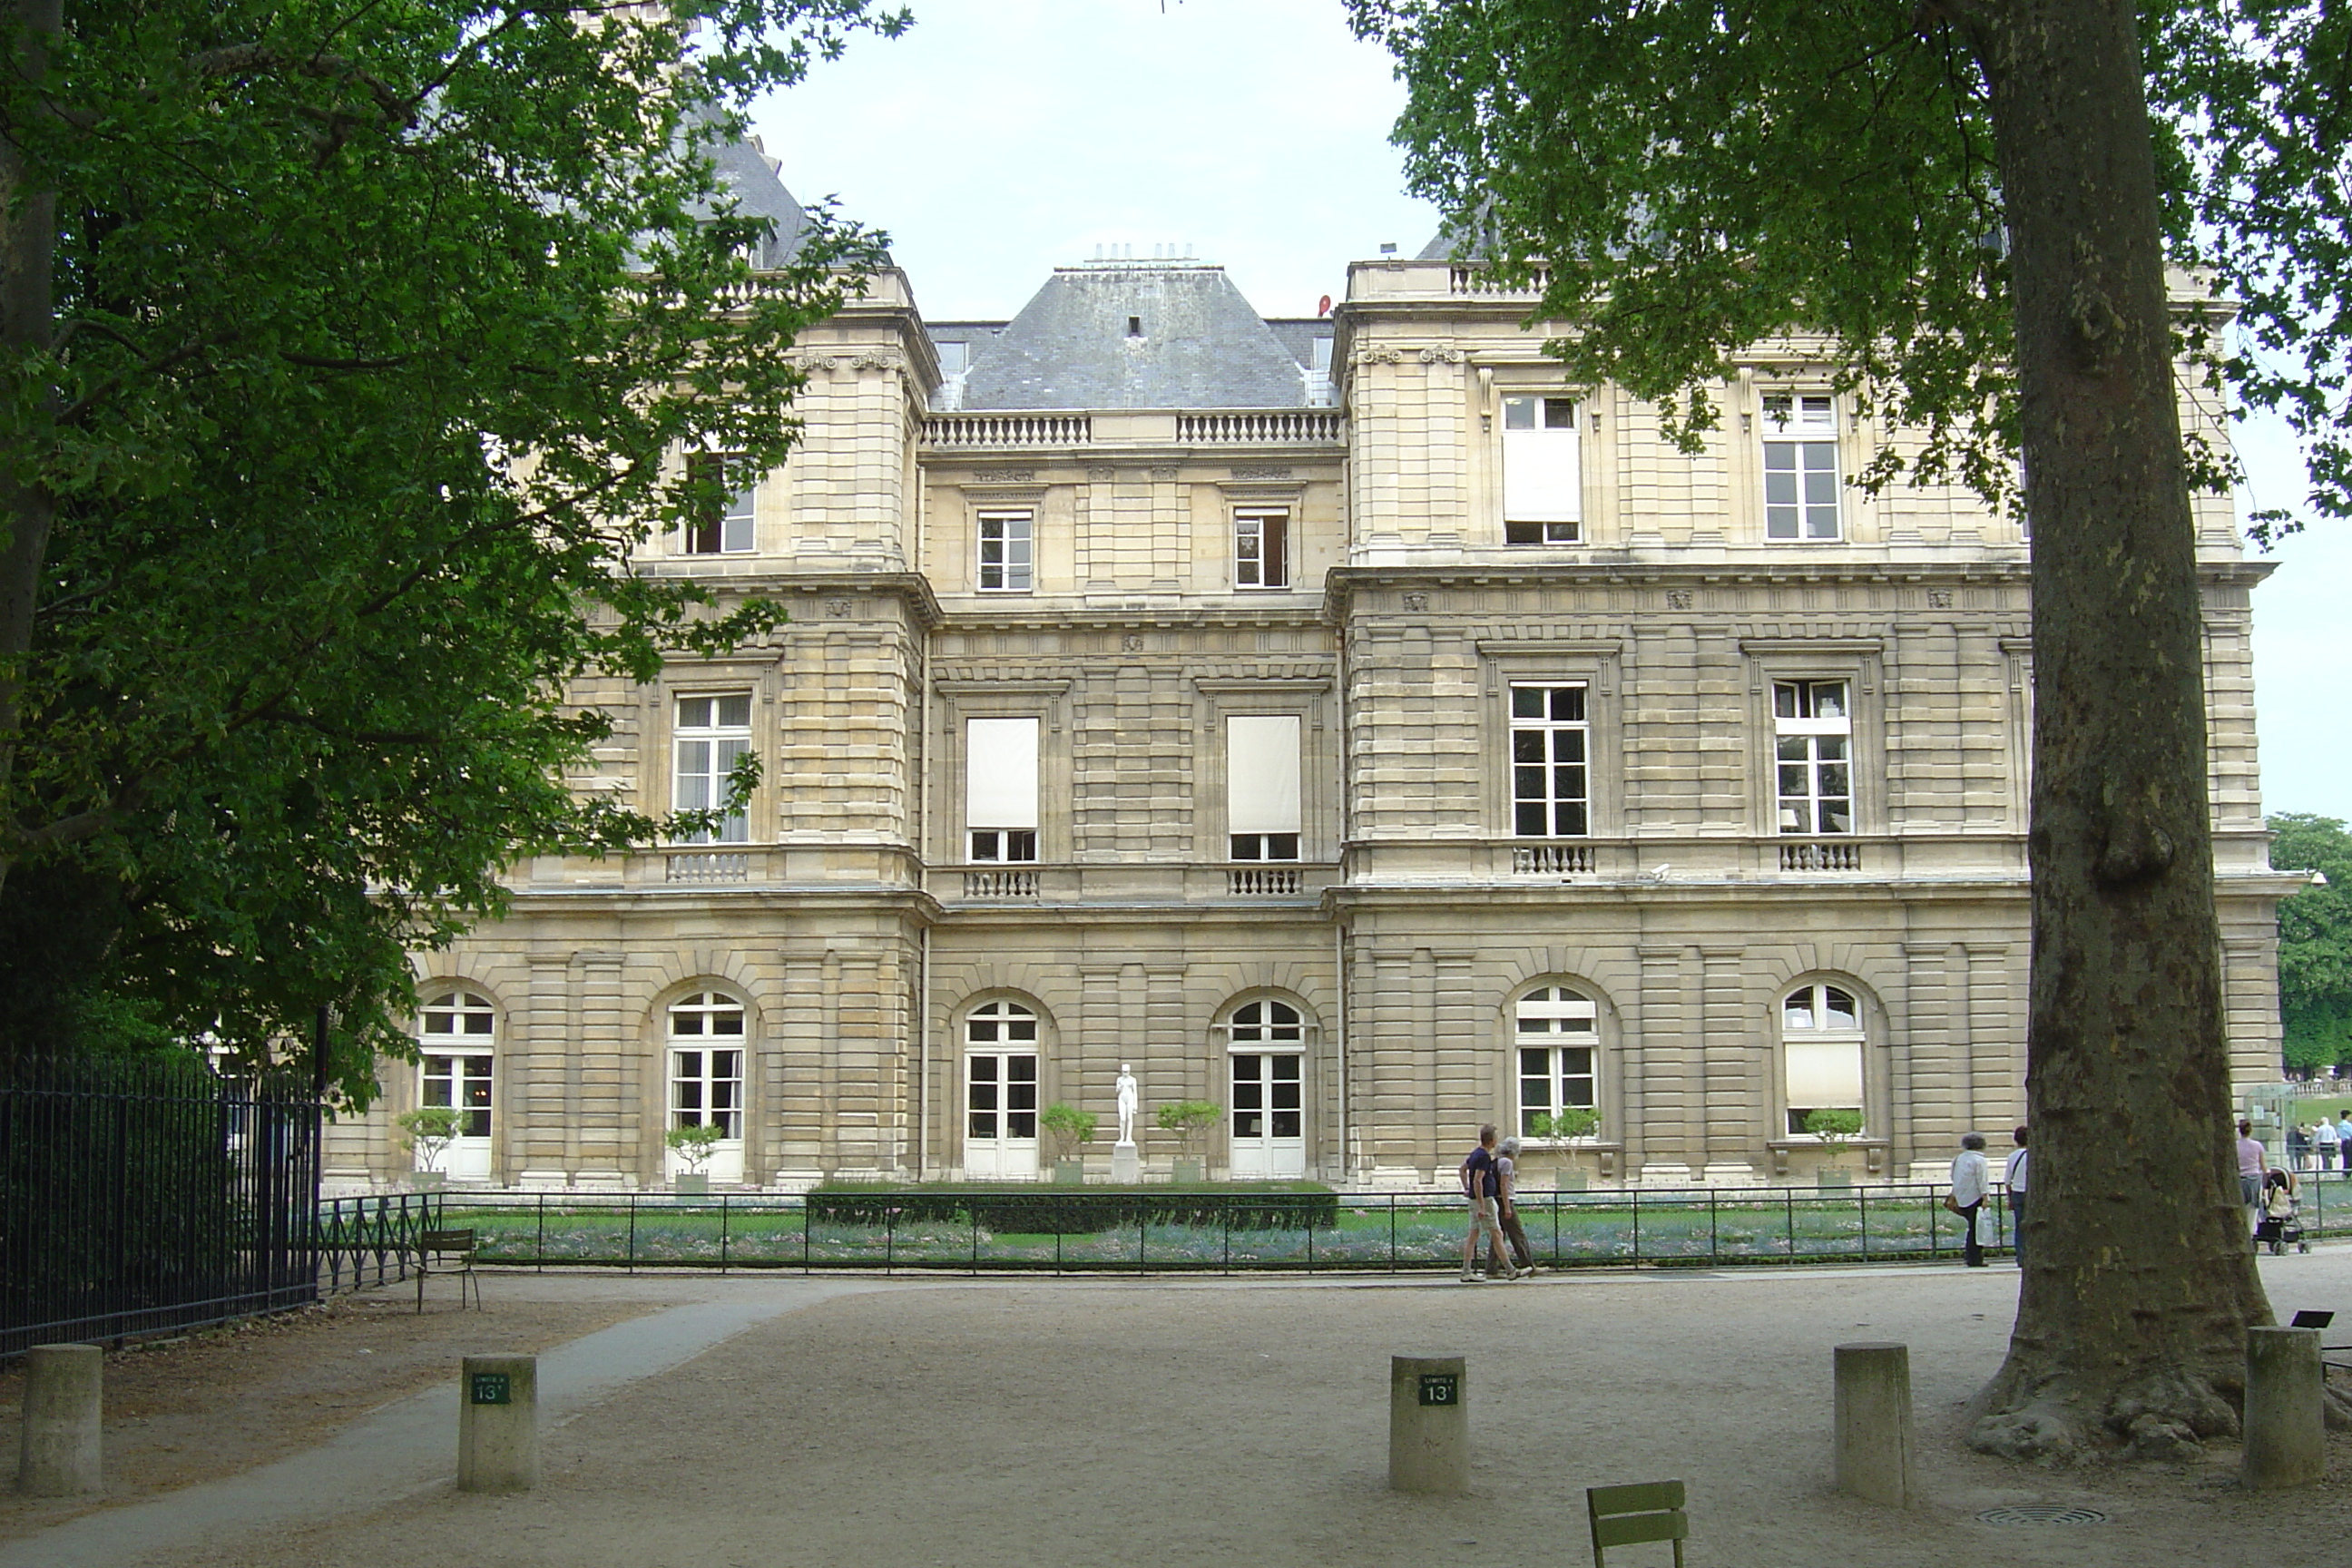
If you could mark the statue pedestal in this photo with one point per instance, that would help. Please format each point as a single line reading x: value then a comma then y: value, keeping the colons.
x: 1126, y: 1163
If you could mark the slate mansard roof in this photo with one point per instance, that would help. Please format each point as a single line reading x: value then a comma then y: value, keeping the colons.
x: 1165, y: 334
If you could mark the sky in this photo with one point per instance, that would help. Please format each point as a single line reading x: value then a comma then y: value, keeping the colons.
x: 999, y: 138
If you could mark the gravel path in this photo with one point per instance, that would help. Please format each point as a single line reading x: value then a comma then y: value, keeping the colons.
x: 1083, y: 1422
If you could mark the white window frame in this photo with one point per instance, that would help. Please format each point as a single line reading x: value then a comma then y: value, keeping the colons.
x: 1263, y: 1030
x: 1267, y: 826
x: 1551, y: 735
x: 1813, y: 1028
x: 459, y: 1027
x: 1002, y: 1030
x: 1542, y: 1020
x: 1546, y: 429
x: 1262, y: 547
x: 1814, y: 752
x: 1007, y: 833
x: 705, y: 776
x: 1006, y: 562
x: 733, y: 530
x: 1803, y: 478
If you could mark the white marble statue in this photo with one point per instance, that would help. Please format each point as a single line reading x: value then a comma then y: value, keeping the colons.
x: 1127, y: 1098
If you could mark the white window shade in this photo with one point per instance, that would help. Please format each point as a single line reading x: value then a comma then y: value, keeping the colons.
x: 1541, y: 481
x: 1262, y: 774
x: 1001, y: 773
x: 1825, y: 1073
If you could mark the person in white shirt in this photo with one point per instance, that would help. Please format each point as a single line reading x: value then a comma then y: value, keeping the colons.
x: 1971, y: 1177
x: 2324, y: 1142
x: 2014, y: 1179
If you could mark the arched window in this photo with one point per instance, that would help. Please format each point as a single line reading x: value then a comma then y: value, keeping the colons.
x: 706, y: 1062
x: 1267, y: 1063
x: 1557, y: 1035
x: 1000, y: 1090
x: 1821, y: 1051
x: 456, y: 1058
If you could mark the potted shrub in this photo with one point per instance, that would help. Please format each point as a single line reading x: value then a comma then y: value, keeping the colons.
x: 1188, y: 1119
x: 693, y: 1145
x: 1833, y: 1128
x: 1570, y: 1122
x: 428, y: 1131
x: 1071, y: 1129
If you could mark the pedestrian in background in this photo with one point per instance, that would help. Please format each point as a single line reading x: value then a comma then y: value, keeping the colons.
x: 2325, y: 1139
x: 1971, y: 1177
x: 1481, y: 1183
x: 1506, y: 1206
x: 2013, y: 1178
x: 2252, y: 1162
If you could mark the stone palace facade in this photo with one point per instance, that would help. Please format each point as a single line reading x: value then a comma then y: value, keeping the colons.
x: 1346, y: 722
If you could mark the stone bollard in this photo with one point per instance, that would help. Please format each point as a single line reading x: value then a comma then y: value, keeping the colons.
x: 1875, y: 1451
x: 58, y: 1453
x: 1429, y: 1425
x: 497, y: 1423
x: 2286, y: 1431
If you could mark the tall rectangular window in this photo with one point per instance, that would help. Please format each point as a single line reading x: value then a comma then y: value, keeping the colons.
x: 1543, y: 482
x: 999, y: 812
x: 1261, y: 787
x: 1551, y: 788
x: 1004, y: 552
x: 1800, y: 466
x: 1812, y: 740
x: 726, y: 528
x: 712, y: 736
x: 1262, y: 548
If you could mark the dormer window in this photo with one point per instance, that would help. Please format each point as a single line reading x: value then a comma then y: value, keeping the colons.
x: 1135, y: 326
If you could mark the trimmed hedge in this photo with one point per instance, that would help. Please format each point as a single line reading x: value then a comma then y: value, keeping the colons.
x: 1042, y: 1209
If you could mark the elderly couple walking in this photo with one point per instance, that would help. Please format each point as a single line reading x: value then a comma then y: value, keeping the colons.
x: 1487, y: 1179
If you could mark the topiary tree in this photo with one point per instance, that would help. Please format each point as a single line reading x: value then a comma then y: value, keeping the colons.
x: 1833, y: 1128
x: 428, y: 1129
x: 695, y: 1144
x: 1070, y: 1126
x: 1188, y: 1119
x: 1569, y: 1121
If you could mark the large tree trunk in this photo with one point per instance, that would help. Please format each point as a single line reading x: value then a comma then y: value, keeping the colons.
x: 28, y: 234
x: 2130, y: 1329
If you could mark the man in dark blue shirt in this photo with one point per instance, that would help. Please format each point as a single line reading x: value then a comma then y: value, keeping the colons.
x: 1482, y: 1183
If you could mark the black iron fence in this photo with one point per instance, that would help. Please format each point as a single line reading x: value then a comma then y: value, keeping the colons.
x: 145, y: 1194
x: 1046, y: 1229
x: 366, y: 1241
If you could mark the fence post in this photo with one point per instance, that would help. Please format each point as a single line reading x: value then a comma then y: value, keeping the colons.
x: 57, y: 1453
x: 497, y: 1423
x: 1874, y: 1442
x: 1637, y: 1226
x: 1714, y: 1233
x: 805, y: 1232
x: 2287, y: 1434
x: 1429, y: 1425
x: 1862, y: 1202
x: 1392, y: 1244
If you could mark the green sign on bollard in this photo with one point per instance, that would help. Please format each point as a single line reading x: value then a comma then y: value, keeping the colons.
x: 492, y: 1388
x: 1441, y: 1388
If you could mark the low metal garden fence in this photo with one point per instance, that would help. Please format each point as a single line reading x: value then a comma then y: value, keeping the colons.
x: 1130, y: 1230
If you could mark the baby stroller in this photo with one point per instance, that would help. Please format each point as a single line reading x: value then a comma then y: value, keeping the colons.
x: 2281, y: 1223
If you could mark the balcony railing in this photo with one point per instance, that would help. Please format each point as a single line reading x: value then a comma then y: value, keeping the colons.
x: 1819, y: 857
x: 966, y: 430
x: 723, y: 865
x: 1281, y: 428
x: 1261, y: 881
x: 1477, y: 280
x: 999, y: 884
x: 1551, y: 859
